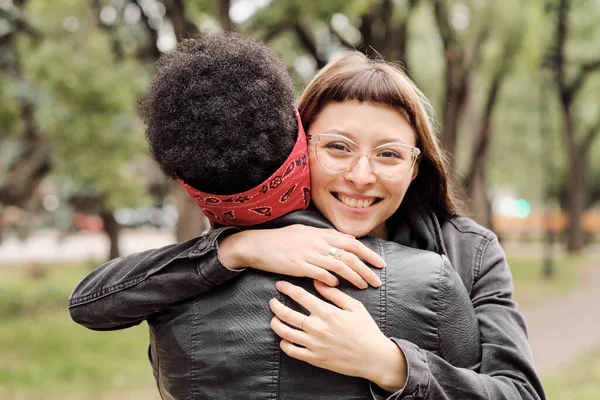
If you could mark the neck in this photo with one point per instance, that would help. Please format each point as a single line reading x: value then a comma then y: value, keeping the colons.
x: 380, y: 231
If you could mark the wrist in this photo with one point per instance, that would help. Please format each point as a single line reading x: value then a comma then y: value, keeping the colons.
x: 232, y: 251
x: 390, y: 371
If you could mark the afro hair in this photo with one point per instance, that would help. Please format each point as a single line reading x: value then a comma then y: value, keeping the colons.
x: 219, y: 113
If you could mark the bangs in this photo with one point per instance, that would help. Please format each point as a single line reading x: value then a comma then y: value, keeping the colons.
x: 369, y: 85
x: 367, y: 82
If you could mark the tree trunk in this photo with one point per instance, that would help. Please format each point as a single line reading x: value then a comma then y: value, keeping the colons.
x: 577, y: 202
x: 454, y: 100
x: 480, y: 208
x: 192, y: 223
x: 226, y: 22
x: 577, y: 186
x: 112, y: 230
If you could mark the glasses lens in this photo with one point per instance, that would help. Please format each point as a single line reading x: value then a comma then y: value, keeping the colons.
x: 393, y: 162
x: 336, y: 154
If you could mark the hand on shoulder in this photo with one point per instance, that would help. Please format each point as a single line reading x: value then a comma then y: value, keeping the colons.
x: 302, y: 251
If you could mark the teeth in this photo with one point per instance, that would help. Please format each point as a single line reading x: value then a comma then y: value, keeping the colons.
x: 352, y: 202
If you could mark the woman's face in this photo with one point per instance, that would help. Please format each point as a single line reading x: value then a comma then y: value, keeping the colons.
x: 358, y: 202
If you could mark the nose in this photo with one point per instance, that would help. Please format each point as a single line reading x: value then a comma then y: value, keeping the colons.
x: 361, y: 174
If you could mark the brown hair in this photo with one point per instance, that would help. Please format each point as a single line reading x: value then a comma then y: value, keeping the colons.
x: 357, y: 77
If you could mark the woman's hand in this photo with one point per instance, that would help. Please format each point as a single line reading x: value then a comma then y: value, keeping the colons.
x: 303, y: 251
x: 343, y: 339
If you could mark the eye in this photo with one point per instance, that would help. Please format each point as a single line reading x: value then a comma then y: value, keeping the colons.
x: 391, y: 154
x: 338, y: 146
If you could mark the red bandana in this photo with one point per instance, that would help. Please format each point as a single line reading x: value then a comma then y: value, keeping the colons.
x: 287, y: 190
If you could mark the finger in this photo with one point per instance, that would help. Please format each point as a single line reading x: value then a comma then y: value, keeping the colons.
x: 312, y: 303
x: 290, y: 334
x: 299, y: 353
x: 360, y: 250
x: 288, y: 315
x: 320, y: 274
x: 361, y: 269
x: 337, y: 297
x: 342, y: 269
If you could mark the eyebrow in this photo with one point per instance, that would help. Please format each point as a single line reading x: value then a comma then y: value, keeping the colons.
x: 353, y: 138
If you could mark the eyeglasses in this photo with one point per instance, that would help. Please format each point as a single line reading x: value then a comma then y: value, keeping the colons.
x: 336, y: 153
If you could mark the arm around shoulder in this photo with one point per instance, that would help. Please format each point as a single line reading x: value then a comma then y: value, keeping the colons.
x: 126, y: 290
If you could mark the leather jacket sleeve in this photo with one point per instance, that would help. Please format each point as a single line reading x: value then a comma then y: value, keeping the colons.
x: 125, y: 291
x: 506, y: 370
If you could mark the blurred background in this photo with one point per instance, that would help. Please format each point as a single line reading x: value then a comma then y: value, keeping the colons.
x: 515, y: 85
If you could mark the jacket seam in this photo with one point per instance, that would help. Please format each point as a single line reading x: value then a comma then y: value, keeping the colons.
x: 428, y: 377
x: 479, y: 258
x: 193, y: 339
x: 105, y: 291
x: 278, y: 356
x: 438, y: 306
x: 487, y: 235
x: 383, y: 292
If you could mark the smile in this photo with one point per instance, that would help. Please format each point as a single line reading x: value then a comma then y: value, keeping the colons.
x: 356, y: 202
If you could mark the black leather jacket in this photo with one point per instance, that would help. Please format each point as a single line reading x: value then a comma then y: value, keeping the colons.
x: 211, y: 347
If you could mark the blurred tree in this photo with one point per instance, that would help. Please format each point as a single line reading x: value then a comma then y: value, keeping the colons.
x: 480, y: 43
x: 474, y: 60
x: 29, y: 156
x: 573, y: 68
x: 80, y: 111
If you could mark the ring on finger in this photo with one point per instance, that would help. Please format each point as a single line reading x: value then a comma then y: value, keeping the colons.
x: 302, y: 323
x: 335, y: 253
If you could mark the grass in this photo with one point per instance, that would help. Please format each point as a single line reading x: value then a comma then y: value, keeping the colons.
x: 531, y: 287
x: 45, y: 355
x: 578, y: 381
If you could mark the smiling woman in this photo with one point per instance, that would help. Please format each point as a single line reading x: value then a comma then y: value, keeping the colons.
x: 358, y: 193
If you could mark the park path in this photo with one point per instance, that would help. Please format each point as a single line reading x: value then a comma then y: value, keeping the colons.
x: 566, y: 326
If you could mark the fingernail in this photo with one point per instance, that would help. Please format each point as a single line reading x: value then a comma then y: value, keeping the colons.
x: 279, y: 284
x: 382, y: 263
x: 377, y: 281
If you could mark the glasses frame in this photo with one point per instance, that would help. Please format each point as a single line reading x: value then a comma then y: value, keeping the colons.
x: 415, y: 151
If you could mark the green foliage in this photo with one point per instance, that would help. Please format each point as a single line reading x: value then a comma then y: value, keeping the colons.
x: 87, y: 105
x: 86, y: 93
x: 8, y: 108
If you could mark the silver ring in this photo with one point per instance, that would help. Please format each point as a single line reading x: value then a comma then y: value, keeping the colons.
x: 335, y: 253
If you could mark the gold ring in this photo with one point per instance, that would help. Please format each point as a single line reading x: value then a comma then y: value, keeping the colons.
x: 302, y: 323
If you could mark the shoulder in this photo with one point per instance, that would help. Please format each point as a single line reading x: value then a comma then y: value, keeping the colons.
x: 467, y: 229
x: 468, y: 246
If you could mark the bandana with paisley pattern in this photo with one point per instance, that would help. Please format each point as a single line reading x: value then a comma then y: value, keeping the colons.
x: 288, y: 189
